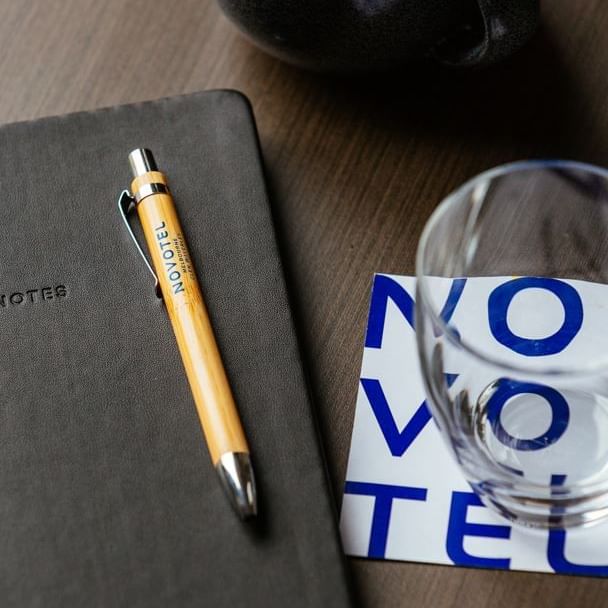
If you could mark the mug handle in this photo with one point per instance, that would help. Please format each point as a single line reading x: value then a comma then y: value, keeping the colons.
x: 506, y: 26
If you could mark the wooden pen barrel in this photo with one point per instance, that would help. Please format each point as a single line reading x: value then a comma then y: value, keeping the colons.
x: 184, y: 301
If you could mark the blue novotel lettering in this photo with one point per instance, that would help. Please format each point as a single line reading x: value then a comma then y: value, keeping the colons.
x: 398, y: 441
x: 170, y: 259
x: 383, y: 290
x: 560, y: 414
x: 556, y: 547
x: 498, y: 307
x: 459, y: 528
x: 384, y: 494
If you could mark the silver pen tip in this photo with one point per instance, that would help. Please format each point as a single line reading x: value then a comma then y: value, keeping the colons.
x: 236, y: 473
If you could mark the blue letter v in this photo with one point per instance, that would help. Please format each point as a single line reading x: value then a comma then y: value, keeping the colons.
x: 398, y: 441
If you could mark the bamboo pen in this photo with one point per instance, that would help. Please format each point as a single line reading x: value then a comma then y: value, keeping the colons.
x: 195, y: 339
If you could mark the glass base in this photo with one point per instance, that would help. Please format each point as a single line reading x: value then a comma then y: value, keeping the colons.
x: 543, y: 514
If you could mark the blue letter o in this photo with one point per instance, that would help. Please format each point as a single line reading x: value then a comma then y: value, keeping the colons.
x: 498, y: 305
x: 560, y: 414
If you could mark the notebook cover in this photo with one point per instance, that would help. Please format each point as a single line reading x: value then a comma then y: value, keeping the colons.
x: 107, y: 493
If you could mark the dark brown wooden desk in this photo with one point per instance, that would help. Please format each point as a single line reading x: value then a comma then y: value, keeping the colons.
x: 355, y: 167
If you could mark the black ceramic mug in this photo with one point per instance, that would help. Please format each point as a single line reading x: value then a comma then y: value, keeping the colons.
x: 356, y: 35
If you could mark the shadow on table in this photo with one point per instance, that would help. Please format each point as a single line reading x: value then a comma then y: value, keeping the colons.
x: 531, y: 103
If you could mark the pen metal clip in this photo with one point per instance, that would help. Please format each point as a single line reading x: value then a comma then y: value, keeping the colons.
x: 126, y: 203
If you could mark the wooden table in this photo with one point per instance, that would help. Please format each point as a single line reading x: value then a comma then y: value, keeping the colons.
x: 355, y: 168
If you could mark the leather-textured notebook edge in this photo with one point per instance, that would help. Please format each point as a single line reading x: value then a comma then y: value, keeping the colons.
x: 299, y: 461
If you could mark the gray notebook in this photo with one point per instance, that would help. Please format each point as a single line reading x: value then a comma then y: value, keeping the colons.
x: 107, y: 493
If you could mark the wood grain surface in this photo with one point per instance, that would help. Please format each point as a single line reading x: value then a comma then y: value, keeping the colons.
x: 355, y: 166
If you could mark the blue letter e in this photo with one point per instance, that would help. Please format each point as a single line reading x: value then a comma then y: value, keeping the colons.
x: 458, y: 528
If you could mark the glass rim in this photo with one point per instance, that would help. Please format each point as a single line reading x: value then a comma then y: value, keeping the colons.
x: 421, y: 278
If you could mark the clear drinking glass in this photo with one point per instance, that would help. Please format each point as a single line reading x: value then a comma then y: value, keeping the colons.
x: 512, y: 330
